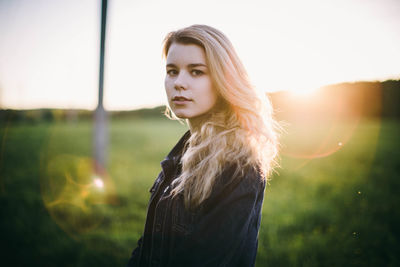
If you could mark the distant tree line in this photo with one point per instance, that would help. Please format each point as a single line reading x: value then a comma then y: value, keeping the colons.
x: 391, y: 99
x: 366, y: 99
x: 361, y: 99
x: 33, y: 116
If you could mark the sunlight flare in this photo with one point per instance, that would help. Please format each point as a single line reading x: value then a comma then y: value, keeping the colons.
x: 98, y: 182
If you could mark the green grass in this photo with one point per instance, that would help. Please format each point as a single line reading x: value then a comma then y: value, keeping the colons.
x: 336, y: 210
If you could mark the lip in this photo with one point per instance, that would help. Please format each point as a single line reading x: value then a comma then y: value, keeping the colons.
x: 180, y: 100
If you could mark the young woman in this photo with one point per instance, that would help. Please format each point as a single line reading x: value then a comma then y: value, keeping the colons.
x: 205, y: 205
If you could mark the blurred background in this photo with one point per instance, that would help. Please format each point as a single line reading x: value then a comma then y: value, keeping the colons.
x: 330, y: 68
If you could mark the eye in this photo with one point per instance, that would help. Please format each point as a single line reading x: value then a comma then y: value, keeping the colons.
x: 197, y: 72
x: 172, y: 72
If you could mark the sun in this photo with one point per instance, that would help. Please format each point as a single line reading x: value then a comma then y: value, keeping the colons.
x: 303, y: 92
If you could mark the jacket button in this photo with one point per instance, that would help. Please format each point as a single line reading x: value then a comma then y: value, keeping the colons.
x: 158, y: 227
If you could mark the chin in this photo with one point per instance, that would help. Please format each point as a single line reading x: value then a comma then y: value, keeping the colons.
x: 181, y: 115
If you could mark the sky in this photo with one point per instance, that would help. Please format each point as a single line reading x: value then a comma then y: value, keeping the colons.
x: 49, y: 49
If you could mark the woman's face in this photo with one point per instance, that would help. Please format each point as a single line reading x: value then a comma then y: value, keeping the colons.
x: 187, y: 82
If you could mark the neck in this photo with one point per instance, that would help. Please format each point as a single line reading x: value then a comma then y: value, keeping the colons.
x: 194, y: 124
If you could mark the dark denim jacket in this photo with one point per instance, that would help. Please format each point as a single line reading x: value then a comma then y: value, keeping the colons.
x: 222, y: 231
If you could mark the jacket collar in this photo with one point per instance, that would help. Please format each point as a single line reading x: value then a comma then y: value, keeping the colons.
x: 174, y: 156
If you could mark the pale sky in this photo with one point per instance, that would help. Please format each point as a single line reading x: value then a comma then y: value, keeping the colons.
x: 49, y: 48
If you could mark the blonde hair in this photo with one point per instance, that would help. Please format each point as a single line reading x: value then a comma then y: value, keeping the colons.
x: 240, y: 131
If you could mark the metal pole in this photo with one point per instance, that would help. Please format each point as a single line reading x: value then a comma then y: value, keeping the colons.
x: 102, y: 48
x: 100, y: 129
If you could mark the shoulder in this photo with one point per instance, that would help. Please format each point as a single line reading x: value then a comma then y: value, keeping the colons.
x: 249, y: 177
x: 236, y: 182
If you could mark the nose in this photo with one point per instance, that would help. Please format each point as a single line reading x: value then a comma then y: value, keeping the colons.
x: 180, y: 82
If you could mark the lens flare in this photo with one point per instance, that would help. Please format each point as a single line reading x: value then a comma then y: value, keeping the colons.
x: 73, y: 195
x: 322, y: 123
x: 98, y: 183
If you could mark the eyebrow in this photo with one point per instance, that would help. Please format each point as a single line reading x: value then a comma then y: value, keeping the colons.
x: 193, y: 65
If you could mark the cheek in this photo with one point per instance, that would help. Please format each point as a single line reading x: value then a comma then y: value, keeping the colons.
x: 208, y: 99
x: 167, y: 86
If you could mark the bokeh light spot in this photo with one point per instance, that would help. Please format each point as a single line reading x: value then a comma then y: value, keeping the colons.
x: 98, y: 182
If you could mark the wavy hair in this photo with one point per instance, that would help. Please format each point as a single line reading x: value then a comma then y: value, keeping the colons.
x: 240, y: 131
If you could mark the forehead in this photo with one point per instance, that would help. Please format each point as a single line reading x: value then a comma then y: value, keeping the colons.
x: 185, y: 54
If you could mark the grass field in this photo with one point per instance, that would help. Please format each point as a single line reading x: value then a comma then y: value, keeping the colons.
x: 333, y: 202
